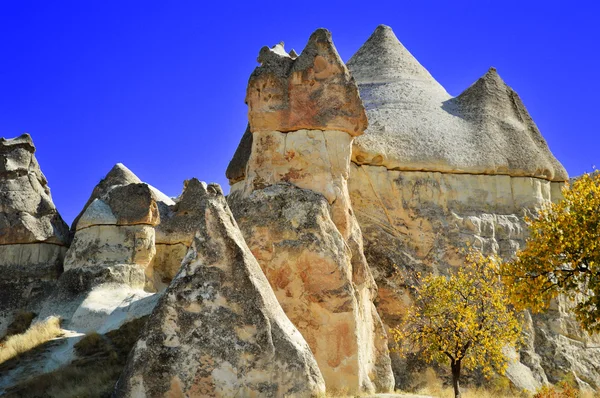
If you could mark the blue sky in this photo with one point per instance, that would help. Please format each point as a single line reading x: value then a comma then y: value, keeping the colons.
x: 160, y: 86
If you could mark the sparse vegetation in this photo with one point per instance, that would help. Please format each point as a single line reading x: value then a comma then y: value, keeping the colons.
x: 463, y: 320
x: 431, y: 385
x: 93, y: 374
x: 38, y: 334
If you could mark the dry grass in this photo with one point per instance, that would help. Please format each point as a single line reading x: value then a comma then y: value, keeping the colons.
x: 100, y: 361
x: 38, y: 334
x: 431, y: 385
x: 499, y: 387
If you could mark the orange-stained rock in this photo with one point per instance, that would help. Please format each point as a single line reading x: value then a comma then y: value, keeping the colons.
x: 290, y: 198
x: 313, y: 91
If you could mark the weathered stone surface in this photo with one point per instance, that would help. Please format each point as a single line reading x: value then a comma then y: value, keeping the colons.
x: 322, y: 284
x: 432, y: 173
x: 142, y: 196
x: 414, y: 124
x: 27, y: 214
x: 295, y: 178
x: 313, y: 91
x: 33, y: 236
x: 114, y: 238
x: 565, y: 350
x: 104, y: 245
x: 417, y: 222
x: 174, y: 234
x: 218, y: 330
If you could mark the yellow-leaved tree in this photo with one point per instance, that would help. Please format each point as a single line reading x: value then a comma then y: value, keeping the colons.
x: 463, y: 320
x: 562, y: 254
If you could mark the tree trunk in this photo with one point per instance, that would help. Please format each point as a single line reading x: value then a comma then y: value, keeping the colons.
x: 455, y: 365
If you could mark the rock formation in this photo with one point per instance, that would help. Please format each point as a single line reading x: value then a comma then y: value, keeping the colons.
x: 114, y: 234
x: 433, y: 172
x: 33, y: 236
x: 218, y: 330
x: 126, y: 221
x: 291, y: 200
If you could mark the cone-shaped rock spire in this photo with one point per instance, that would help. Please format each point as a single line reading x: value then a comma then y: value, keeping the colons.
x: 118, y: 175
x: 383, y: 57
x: 491, y: 105
x: 414, y: 124
x: 219, y: 330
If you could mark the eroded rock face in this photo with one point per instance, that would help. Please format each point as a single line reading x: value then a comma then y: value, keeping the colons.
x: 313, y: 91
x: 290, y: 198
x: 219, y: 330
x: 433, y: 173
x: 33, y: 236
x: 414, y: 124
x: 114, y: 234
x: 175, y: 233
x: 126, y: 221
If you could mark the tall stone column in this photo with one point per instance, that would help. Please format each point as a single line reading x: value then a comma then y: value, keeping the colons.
x: 290, y: 198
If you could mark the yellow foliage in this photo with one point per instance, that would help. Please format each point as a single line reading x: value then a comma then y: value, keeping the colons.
x: 562, y: 390
x: 464, y: 318
x: 562, y: 255
x: 37, y: 334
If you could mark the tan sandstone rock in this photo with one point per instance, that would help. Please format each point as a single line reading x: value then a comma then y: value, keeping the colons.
x: 126, y: 221
x: 290, y: 198
x: 313, y: 91
x: 33, y: 236
x: 218, y: 330
x: 433, y: 173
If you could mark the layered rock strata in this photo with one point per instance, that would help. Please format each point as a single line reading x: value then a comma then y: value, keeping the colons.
x: 126, y: 221
x: 115, y: 232
x: 33, y: 236
x: 218, y: 330
x: 434, y: 172
x: 290, y: 199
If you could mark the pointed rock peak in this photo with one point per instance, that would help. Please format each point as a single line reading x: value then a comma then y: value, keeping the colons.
x: 274, y: 57
x: 490, y: 91
x: 287, y: 94
x: 119, y: 175
x: 279, y: 49
x: 293, y: 54
x: 319, y: 53
x: 384, y: 57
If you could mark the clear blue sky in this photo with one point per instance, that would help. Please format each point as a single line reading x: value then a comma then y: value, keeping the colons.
x: 160, y: 86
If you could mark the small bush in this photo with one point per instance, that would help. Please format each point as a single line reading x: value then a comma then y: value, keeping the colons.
x: 557, y: 392
x: 92, y: 343
x: 38, y: 334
